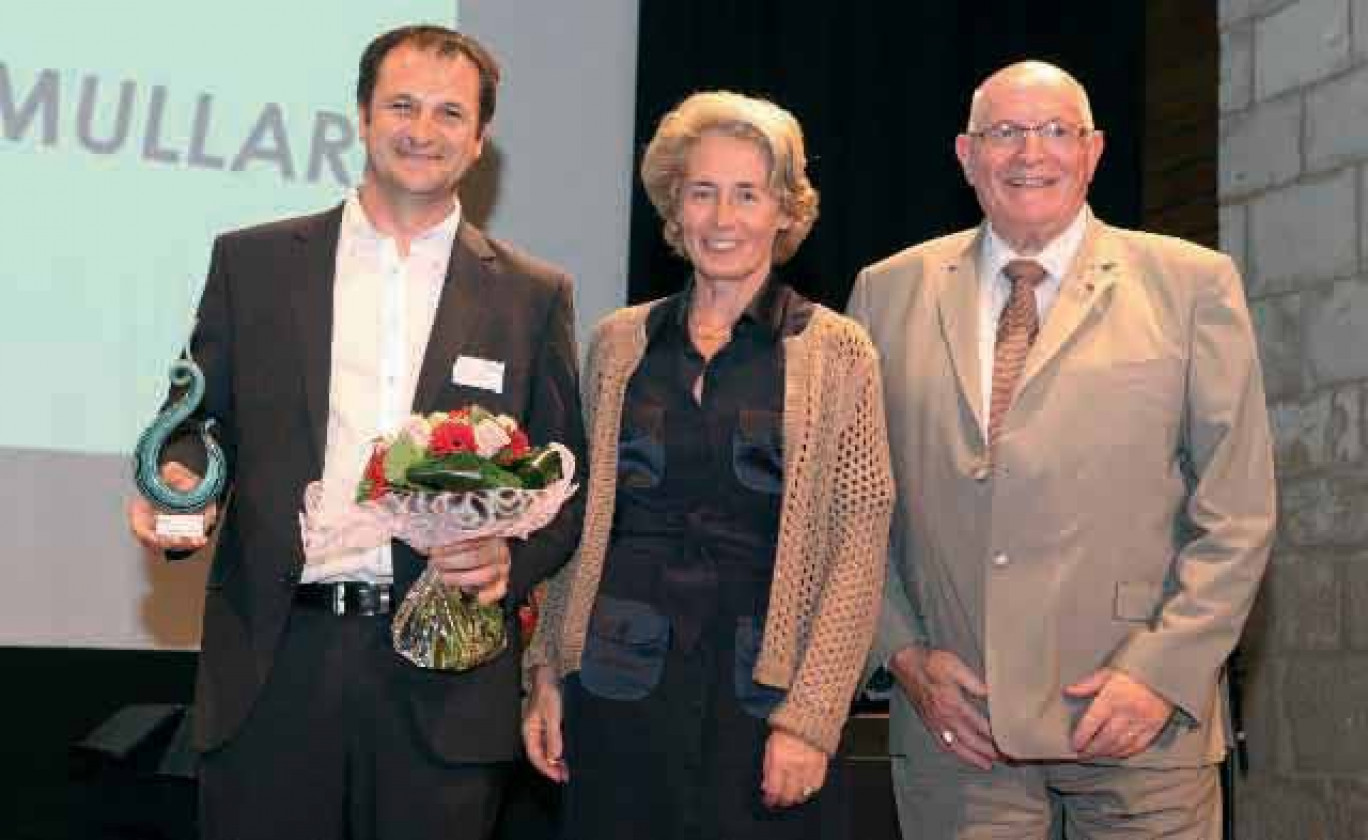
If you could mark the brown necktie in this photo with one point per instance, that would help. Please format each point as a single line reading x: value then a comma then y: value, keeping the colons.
x: 1016, y: 332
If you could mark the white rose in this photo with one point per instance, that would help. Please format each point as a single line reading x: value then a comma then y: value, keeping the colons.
x: 418, y: 430
x: 490, y: 437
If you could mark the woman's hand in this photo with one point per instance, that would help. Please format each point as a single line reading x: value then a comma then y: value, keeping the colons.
x: 794, y: 770
x: 541, y: 726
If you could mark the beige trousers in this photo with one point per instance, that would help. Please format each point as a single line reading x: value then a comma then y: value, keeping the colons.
x: 943, y: 799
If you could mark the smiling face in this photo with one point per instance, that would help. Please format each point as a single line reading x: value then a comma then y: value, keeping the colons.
x: 727, y: 213
x: 421, y: 129
x: 1030, y: 190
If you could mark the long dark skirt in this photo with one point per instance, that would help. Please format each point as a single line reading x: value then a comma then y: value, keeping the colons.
x: 683, y: 763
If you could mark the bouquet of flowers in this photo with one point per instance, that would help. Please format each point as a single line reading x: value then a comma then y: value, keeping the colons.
x: 446, y: 478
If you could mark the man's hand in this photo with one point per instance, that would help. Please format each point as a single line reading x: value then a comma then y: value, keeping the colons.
x: 794, y: 770
x: 142, y: 514
x: 541, y: 726
x: 937, y: 682
x: 1123, y: 719
x: 478, y: 568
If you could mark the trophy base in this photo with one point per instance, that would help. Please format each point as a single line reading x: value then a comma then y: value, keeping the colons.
x: 173, y: 525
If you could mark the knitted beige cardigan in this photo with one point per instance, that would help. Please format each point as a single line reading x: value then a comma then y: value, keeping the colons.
x: 833, y: 524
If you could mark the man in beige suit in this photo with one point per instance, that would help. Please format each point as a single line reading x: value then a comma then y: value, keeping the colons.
x: 1086, y: 498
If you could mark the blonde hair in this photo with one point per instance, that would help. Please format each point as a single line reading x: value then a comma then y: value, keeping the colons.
x: 773, y: 129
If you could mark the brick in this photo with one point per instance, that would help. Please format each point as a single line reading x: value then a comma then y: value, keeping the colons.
x: 1279, y: 808
x: 1236, y: 88
x: 1327, y: 511
x: 1300, y: 43
x: 1319, y: 431
x: 1232, y: 11
x: 1327, y: 717
x: 1363, y: 214
x: 1263, y: 8
x: 1304, y: 233
x: 1356, y: 596
x: 1350, y: 814
x: 1336, y: 115
x: 1336, y: 332
x: 1257, y: 682
x: 1360, y: 16
x: 1344, y: 432
x: 1277, y: 329
x: 1232, y: 220
x: 1304, y: 596
x: 1260, y: 147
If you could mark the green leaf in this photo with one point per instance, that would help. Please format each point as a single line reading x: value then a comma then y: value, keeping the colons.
x: 402, y: 454
x: 495, y: 476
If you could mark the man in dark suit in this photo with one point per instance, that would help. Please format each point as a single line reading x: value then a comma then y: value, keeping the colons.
x: 316, y: 334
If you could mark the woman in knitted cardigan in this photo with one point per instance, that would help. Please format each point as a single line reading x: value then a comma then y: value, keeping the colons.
x: 700, y: 652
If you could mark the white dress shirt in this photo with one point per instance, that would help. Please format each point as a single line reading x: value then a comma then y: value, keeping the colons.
x: 995, y: 288
x: 383, y: 309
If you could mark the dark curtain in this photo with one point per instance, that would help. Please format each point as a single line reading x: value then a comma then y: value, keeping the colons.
x: 881, y: 89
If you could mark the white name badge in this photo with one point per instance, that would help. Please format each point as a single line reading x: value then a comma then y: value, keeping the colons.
x: 478, y: 373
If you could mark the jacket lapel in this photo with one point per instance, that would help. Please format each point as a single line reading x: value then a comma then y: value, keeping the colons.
x: 310, y: 281
x: 957, y: 289
x: 1094, y: 272
x: 459, y: 313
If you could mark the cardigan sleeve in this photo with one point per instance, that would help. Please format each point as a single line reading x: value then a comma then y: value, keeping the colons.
x: 856, y: 513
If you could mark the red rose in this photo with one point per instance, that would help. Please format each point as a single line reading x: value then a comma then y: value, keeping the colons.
x: 449, y: 437
x: 527, y: 621
x: 375, y: 473
x: 517, y: 446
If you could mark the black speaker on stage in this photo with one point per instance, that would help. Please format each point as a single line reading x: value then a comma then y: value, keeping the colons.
x: 133, y: 776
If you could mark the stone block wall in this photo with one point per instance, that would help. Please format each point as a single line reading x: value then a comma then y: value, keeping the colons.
x: 1293, y: 189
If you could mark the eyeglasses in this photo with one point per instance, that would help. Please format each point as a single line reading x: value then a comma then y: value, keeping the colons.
x: 1056, y: 135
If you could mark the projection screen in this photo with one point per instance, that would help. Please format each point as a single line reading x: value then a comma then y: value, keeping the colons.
x: 131, y: 133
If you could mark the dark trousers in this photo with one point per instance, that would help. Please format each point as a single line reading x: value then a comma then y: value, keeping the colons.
x: 330, y: 753
x: 684, y: 763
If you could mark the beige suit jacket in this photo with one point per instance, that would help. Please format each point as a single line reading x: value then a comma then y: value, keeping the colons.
x: 1128, y: 517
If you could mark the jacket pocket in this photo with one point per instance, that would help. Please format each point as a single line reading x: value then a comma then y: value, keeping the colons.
x: 757, y: 451
x: 1137, y: 600
x: 755, y: 699
x: 624, y: 654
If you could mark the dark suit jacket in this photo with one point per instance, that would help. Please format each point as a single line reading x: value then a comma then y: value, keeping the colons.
x: 263, y: 340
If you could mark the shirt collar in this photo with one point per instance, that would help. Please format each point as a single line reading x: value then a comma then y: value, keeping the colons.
x: 1055, y: 258
x: 358, y: 226
x: 775, y: 310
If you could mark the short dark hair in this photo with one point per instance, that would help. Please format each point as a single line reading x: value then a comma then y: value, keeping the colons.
x: 446, y: 43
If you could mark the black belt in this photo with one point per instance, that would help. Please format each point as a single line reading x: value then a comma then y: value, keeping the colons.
x: 345, y: 597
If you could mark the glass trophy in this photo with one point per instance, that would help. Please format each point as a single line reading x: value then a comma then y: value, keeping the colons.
x: 180, y: 512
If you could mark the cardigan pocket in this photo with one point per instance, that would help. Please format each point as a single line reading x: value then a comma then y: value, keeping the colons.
x: 757, y: 451
x: 755, y: 699
x: 624, y: 652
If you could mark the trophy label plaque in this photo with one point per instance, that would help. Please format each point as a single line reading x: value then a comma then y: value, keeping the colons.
x: 176, y: 525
